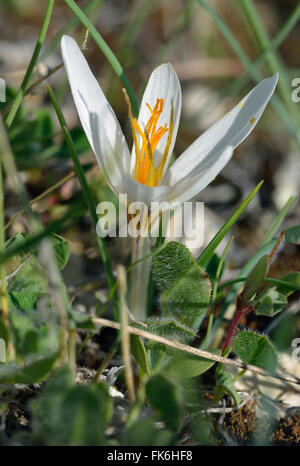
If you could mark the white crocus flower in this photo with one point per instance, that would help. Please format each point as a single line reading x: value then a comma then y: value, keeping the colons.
x: 144, y: 175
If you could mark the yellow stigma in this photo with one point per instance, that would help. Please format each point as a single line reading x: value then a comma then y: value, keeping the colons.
x: 144, y: 171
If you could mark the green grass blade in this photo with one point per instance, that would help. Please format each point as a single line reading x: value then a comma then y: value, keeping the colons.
x: 278, y: 220
x: 18, y: 99
x: 88, y: 9
x: 266, y: 249
x: 284, y: 32
x: 210, y: 248
x: 214, y: 295
x: 272, y: 60
x: 85, y: 188
x: 256, y: 76
x: 111, y: 57
x: 273, y: 281
x: 83, y: 183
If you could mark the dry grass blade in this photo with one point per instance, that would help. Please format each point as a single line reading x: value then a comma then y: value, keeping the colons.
x: 197, y: 351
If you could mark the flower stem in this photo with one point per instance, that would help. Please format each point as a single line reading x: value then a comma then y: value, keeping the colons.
x: 140, y: 275
x: 240, y: 312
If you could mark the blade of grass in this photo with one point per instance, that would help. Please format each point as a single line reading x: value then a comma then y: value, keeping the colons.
x: 210, y: 248
x: 18, y: 99
x: 278, y: 220
x: 4, y: 304
x: 266, y: 249
x: 111, y: 57
x: 273, y: 281
x: 284, y: 32
x: 256, y: 76
x: 272, y: 60
x: 85, y: 188
x: 89, y: 8
x: 214, y: 295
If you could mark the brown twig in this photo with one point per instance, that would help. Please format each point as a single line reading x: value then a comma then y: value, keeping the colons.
x: 196, y: 351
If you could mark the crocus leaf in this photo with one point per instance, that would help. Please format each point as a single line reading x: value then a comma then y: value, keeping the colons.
x: 255, y: 349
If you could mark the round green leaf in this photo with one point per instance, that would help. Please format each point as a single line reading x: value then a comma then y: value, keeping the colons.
x: 255, y: 349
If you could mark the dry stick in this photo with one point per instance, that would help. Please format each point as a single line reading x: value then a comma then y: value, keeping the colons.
x: 43, y: 78
x: 104, y: 364
x: 196, y: 351
x: 56, y: 68
x: 125, y: 338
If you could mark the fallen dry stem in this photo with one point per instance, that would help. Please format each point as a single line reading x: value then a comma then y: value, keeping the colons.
x: 196, y: 351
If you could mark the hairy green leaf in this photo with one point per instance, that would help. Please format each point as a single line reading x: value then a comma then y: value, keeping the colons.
x: 255, y: 349
x: 185, y: 286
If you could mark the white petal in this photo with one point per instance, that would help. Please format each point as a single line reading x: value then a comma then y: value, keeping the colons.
x: 229, y: 131
x: 96, y: 115
x: 163, y: 84
x: 186, y: 188
x: 142, y: 193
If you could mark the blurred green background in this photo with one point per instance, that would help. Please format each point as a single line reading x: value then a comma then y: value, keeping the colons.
x: 219, y: 49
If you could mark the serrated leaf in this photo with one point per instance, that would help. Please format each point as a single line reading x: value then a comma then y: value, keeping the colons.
x: 29, y: 281
x: 270, y: 302
x: 31, y: 333
x: 292, y: 235
x: 23, y: 300
x: 255, y: 279
x: 164, y: 397
x: 255, y: 349
x: 184, y: 284
x: 183, y: 366
x: 61, y: 250
x: 293, y: 278
x: 27, y: 285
